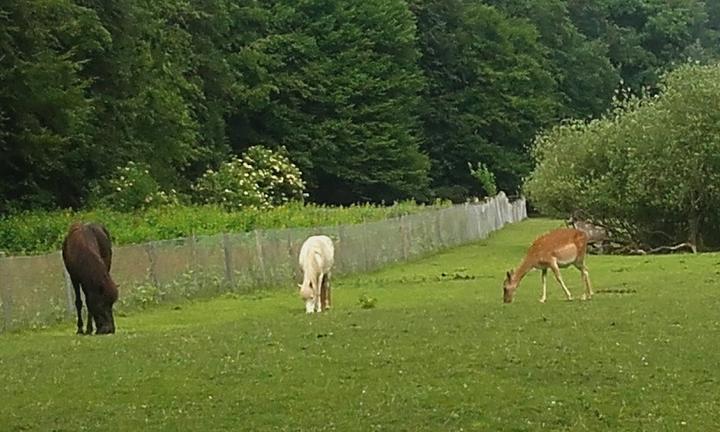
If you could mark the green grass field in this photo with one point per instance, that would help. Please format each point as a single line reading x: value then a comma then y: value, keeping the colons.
x: 439, y: 352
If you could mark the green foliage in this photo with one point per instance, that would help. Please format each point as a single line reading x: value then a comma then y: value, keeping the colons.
x: 647, y: 37
x: 374, y: 100
x: 582, y: 69
x: 133, y: 188
x: 367, y: 302
x: 344, y: 100
x: 489, y: 90
x: 45, y: 109
x: 34, y: 232
x: 260, y: 179
x: 651, y: 167
x: 485, y: 177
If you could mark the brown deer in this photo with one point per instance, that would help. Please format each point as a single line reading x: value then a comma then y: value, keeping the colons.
x: 557, y: 249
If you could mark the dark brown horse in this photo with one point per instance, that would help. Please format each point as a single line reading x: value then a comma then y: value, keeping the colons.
x: 87, y: 252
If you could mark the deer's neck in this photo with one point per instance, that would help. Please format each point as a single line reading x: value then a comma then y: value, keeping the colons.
x: 523, y: 269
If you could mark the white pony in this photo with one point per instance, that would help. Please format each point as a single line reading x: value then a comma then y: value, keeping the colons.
x: 316, y: 259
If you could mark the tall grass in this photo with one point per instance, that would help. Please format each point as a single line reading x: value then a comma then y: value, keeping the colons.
x: 38, y: 232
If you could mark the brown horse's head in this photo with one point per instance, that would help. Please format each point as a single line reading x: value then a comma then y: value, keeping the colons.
x: 103, y: 306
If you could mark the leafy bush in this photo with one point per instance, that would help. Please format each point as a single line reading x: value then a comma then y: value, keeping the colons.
x: 485, y: 177
x: 367, y: 302
x: 132, y: 187
x: 261, y: 178
x: 39, y: 231
x: 650, y: 169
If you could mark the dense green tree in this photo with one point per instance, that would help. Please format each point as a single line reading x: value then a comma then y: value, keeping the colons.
x: 586, y: 78
x: 650, y: 170
x: 345, y: 91
x: 489, y: 90
x: 45, y: 110
x: 646, y: 37
x: 365, y: 96
x: 142, y: 86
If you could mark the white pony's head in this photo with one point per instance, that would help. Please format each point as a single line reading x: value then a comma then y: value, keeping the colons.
x: 307, y: 294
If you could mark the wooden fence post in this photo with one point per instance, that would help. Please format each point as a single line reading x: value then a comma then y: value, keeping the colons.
x: 227, y: 252
x: 405, y: 237
x: 261, y: 259
x: 5, y: 298
x: 150, y: 251
x: 69, y: 292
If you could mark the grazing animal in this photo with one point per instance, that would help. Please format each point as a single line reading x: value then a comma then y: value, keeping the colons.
x: 597, y: 235
x: 559, y: 248
x: 87, y: 253
x: 317, y: 256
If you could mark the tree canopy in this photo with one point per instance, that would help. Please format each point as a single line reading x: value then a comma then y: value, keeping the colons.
x: 373, y: 101
x: 652, y: 167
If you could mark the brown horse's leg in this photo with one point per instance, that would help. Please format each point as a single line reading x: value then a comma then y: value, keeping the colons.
x: 78, y: 305
x: 90, y: 319
x: 92, y: 313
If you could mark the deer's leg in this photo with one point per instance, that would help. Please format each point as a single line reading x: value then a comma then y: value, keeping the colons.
x: 586, y: 281
x: 558, y: 277
x: 544, y: 284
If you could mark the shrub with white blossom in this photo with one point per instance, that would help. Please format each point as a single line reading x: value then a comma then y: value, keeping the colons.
x: 261, y: 178
x: 132, y: 187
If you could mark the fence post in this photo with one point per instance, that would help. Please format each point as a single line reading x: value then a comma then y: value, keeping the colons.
x: 365, y: 247
x: 405, y: 237
x: 261, y: 259
x: 69, y: 292
x: 290, y: 257
x: 5, y: 298
x: 227, y: 252
x: 150, y: 251
x: 343, y: 267
x: 438, y: 229
x: 194, y: 268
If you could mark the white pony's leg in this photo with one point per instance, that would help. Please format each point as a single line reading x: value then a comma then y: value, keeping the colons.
x: 316, y: 298
x: 321, y: 293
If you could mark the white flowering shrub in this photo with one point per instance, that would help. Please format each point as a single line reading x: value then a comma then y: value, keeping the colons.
x: 132, y: 187
x: 261, y: 178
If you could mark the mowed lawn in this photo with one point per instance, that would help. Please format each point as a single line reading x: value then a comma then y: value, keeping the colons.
x: 439, y: 352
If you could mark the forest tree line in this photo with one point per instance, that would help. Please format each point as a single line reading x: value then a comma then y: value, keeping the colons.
x: 373, y: 100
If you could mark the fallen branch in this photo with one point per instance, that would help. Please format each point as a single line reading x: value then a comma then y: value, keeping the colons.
x: 679, y: 246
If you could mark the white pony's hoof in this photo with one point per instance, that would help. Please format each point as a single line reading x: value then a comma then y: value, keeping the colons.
x: 309, y: 306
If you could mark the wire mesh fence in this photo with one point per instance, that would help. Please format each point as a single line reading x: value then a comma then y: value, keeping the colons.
x: 36, y: 291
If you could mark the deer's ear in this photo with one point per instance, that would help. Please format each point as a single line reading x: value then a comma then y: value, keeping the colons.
x: 300, y: 286
x: 509, y: 274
